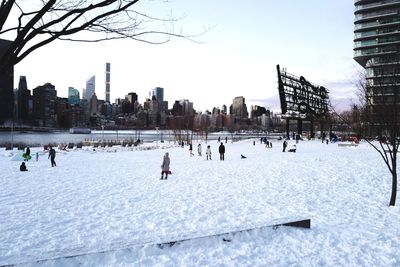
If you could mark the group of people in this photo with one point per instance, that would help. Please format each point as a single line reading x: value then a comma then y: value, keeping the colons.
x: 26, y: 156
x: 221, y: 150
x: 285, y: 144
x: 165, y: 169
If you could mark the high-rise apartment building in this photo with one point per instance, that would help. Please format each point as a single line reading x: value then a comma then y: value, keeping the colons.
x: 377, y: 48
x: 44, y: 105
x: 108, y: 81
x: 90, y: 88
x: 73, y: 96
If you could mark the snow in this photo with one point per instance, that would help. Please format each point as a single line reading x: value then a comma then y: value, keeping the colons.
x: 109, y: 206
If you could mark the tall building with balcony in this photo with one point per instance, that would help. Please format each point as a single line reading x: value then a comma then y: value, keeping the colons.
x: 377, y: 49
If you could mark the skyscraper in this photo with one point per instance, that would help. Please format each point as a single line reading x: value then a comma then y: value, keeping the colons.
x: 157, y: 93
x: 23, y: 98
x: 239, y: 108
x: 131, y: 97
x: 377, y: 48
x: 108, y: 80
x: 73, y: 96
x: 90, y: 88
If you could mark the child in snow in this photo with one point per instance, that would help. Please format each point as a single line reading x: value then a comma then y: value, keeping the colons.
x: 23, y: 168
x: 208, y: 152
x: 165, y: 166
x: 293, y: 149
x: 199, y: 149
x: 242, y: 156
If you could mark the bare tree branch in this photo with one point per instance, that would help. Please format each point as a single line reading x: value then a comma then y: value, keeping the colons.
x: 104, y: 20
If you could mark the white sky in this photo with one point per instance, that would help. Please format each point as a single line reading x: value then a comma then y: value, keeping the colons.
x: 312, y: 38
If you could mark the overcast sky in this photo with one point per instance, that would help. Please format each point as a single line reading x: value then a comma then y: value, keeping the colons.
x: 237, y: 57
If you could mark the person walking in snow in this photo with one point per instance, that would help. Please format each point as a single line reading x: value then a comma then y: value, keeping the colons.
x: 219, y: 139
x: 191, y: 149
x: 165, y: 166
x: 199, y: 149
x: 284, y: 145
x: 221, y: 151
x: 52, y: 156
x: 208, y: 152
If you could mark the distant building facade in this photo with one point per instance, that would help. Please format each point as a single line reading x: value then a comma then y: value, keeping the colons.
x: 90, y: 88
x: 157, y: 93
x: 73, y: 96
x: 108, y: 82
x: 44, y: 105
x: 24, y: 101
x: 239, y: 108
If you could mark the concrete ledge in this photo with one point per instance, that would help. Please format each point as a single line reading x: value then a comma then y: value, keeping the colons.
x: 227, y: 236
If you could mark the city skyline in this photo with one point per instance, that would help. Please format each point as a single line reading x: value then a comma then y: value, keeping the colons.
x: 238, y: 56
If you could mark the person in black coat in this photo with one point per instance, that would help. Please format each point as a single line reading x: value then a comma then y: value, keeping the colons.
x: 23, y: 168
x: 191, y: 150
x: 284, y: 145
x: 52, y: 155
x: 221, y: 151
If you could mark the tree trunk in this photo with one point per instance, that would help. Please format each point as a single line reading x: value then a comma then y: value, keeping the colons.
x: 394, y: 180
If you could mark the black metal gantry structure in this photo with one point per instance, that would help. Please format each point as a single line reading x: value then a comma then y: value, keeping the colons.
x: 302, y: 100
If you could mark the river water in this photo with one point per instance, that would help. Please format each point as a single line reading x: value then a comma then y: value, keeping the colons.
x: 42, y: 138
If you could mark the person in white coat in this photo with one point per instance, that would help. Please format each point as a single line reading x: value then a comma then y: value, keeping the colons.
x: 165, y: 167
x: 199, y: 149
x: 208, y: 152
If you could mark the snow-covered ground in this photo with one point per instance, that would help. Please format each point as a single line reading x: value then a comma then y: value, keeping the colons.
x: 111, y: 205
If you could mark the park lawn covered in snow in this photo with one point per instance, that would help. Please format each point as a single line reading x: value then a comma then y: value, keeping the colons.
x: 113, y: 201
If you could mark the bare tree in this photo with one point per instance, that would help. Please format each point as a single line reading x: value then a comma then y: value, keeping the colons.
x: 377, y: 117
x: 41, y: 22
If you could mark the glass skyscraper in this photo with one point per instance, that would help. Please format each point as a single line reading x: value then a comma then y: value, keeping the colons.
x: 157, y: 93
x: 90, y: 88
x: 73, y: 96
